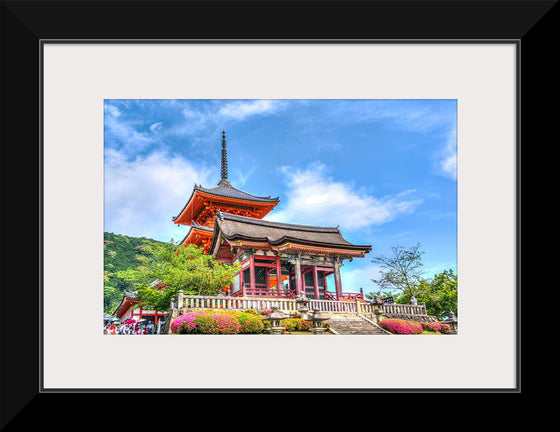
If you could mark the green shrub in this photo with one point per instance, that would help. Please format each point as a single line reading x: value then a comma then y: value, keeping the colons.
x: 296, y: 324
x: 251, y: 311
x: 250, y: 322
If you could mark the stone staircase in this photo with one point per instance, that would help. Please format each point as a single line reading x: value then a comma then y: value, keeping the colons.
x: 354, y: 325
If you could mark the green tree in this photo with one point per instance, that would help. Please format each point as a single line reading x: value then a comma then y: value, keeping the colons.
x: 111, y: 297
x: 121, y: 252
x: 178, y: 268
x: 401, y: 273
x: 440, y: 294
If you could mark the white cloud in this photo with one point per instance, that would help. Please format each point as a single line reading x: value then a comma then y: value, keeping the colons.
x: 202, y: 123
x: 239, y: 110
x: 156, y: 127
x: 112, y: 110
x: 241, y: 177
x: 410, y: 115
x: 124, y: 133
x: 447, y: 159
x: 315, y: 198
x: 142, y: 195
x: 434, y: 117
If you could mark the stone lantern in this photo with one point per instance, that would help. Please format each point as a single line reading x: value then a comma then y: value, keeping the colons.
x: 377, y: 306
x: 275, y: 317
x: 302, y: 306
x: 452, y: 321
x: 317, y: 318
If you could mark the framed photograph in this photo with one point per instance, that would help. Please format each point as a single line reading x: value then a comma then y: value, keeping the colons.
x: 401, y: 129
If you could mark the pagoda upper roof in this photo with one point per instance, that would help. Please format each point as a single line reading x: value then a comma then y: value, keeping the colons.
x: 229, y: 191
x: 224, y: 193
x: 250, y: 230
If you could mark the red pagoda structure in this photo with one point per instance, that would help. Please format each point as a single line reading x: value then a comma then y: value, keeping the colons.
x: 302, y: 255
x: 277, y: 259
x: 202, y: 207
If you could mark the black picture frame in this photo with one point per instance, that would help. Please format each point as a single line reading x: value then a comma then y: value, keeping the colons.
x: 26, y: 25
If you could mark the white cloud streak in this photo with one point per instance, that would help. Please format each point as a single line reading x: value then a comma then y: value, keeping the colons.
x: 142, y: 195
x: 447, y: 158
x: 199, y: 122
x: 239, y: 110
x: 314, y: 198
x: 120, y: 131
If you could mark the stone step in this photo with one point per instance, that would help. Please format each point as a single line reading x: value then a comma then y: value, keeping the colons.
x: 354, y: 326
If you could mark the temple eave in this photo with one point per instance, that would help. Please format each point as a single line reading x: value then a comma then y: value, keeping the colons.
x: 294, y: 247
x: 201, y: 202
x: 198, y: 236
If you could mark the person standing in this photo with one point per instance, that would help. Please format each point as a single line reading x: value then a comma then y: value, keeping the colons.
x: 413, y: 300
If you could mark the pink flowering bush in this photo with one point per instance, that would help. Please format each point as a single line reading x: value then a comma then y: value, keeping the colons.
x: 445, y: 328
x: 399, y: 326
x: 205, y: 322
x: 217, y: 322
x: 185, y: 323
x: 431, y: 326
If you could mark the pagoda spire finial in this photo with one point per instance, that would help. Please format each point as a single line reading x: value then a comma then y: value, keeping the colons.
x: 224, y: 181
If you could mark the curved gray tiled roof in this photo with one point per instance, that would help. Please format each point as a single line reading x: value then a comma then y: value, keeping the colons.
x: 231, y: 192
x: 235, y: 227
x: 227, y: 191
x: 198, y: 226
x: 202, y: 227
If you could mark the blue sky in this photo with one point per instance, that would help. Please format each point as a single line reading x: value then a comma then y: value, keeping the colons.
x: 384, y: 171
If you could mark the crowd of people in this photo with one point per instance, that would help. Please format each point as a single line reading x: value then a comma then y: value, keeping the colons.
x: 129, y: 328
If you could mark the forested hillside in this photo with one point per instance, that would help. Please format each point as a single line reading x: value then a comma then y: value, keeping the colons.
x: 120, y: 253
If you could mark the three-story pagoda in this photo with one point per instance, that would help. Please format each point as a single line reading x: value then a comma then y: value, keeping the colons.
x: 277, y: 259
x: 204, y: 204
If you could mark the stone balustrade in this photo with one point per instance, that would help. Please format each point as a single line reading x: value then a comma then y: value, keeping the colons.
x: 290, y: 305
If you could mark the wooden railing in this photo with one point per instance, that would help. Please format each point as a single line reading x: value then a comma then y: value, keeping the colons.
x: 288, y: 305
x: 263, y: 292
x: 344, y: 296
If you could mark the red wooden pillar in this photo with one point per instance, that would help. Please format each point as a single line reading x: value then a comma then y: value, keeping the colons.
x: 337, y: 281
x: 242, y: 282
x: 267, y: 279
x: 315, y: 282
x: 298, y: 275
x: 252, y: 271
x: 278, y: 276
